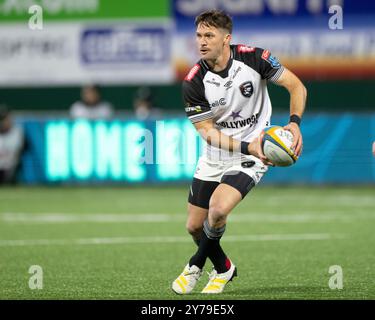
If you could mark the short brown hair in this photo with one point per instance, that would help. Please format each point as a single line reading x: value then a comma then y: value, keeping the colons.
x: 215, y: 18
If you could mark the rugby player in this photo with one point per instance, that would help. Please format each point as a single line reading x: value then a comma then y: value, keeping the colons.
x: 226, y: 99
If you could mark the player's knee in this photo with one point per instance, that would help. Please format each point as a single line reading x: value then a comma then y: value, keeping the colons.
x: 218, y: 211
x: 194, y: 228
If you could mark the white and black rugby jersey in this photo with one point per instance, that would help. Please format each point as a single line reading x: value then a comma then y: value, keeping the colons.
x: 236, y: 98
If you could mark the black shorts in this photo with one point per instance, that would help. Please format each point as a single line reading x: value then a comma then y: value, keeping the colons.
x: 242, y: 174
x: 201, y: 191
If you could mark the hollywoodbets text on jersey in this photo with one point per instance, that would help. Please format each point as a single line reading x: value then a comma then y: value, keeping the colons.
x: 239, y: 123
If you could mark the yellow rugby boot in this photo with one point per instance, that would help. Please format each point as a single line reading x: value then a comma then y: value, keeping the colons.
x: 187, y: 280
x: 217, y: 281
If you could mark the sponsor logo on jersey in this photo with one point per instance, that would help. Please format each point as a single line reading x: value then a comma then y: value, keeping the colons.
x: 228, y: 85
x: 247, y: 89
x: 265, y: 54
x: 272, y: 60
x: 217, y: 84
x: 236, y: 115
x: 192, y: 72
x: 220, y: 102
x: 240, y: 123
x: 243, y: 48
x: 193, y: 109
x: 236, y: 72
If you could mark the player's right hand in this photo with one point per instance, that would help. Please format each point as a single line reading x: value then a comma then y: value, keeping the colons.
x: 255, y: 149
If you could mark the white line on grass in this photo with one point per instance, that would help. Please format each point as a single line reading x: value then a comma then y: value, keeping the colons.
x: 166, y: 239
x: 333, y: 200
x: 72, y: 217
x: 55, y: 218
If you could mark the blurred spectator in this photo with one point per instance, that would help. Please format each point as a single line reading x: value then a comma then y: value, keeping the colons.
x: 11, y: 146
x: 143, y: 105
x: 91, y: 105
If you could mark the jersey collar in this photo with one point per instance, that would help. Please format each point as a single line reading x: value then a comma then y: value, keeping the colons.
x: 223, y: 73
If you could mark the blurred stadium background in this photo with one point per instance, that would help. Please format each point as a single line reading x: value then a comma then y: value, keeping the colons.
x: 98, y: 204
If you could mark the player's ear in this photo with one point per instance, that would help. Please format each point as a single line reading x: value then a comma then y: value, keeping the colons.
x: 227, y: 38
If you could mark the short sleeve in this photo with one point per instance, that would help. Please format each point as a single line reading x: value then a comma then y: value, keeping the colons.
x: 197, y: 107
x: 261, y: 60
x: 269, y: 66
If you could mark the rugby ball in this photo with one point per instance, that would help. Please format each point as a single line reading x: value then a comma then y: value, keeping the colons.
x: 276, y: 143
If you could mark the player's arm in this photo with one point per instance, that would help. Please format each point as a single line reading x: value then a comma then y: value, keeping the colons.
x: 298, y: 94
x: 270, y: 69
x: 217, y: 139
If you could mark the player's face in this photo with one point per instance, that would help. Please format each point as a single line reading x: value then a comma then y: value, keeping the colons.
x: 211, y: 41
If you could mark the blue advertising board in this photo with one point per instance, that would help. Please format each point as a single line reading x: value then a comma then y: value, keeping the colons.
x: 337, y: 149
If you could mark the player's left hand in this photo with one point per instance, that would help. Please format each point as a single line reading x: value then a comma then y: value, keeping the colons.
x: 296, y: 132
x: 255, y: 149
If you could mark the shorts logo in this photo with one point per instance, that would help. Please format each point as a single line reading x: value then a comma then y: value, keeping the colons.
x: 247, y: 89
x: 247, y: 164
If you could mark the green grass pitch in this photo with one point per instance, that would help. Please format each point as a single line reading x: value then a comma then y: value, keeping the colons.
x: 130, y: 243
